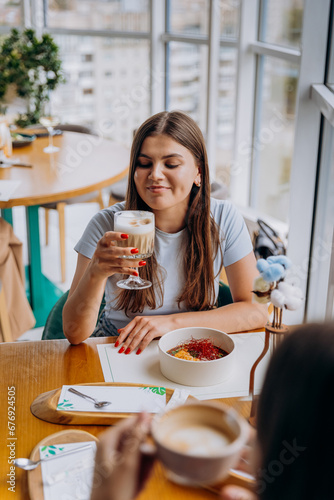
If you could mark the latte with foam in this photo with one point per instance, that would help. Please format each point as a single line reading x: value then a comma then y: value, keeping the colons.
x: 197, y: 440
x: 140, y: 228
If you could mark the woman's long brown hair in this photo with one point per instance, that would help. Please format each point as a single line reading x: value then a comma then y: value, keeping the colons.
x: 202, y: 231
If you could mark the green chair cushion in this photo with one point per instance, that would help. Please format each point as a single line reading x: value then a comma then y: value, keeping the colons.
x: 224, y: 295
x: 53, y: 328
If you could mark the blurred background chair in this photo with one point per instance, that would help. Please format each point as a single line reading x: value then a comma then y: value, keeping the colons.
x: 5, y: 329
x: 16, y: 316
x: 94, y: 197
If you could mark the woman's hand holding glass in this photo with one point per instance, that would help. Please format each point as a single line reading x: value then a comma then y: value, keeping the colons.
x: 108, y: 257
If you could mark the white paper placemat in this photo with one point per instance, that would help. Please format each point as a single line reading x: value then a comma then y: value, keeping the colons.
x: 145, y: 368
x: 123, y: 399
x: 70, y: 476
x: 7, y: 188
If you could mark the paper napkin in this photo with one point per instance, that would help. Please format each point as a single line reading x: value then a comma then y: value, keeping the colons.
x: 123, y: 399
x: 71, y: 476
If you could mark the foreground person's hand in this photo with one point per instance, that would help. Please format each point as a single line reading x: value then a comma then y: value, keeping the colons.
x: 121, y: 469
x: 232, y: 492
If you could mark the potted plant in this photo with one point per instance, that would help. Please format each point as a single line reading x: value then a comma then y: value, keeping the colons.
x: 32, y: 67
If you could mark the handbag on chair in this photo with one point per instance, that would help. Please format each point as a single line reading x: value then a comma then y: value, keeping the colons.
x: 267, y: 242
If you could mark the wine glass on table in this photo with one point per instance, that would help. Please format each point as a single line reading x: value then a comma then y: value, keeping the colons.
x: 140, y: 227
x: 48, y: 120
x: 5, y: 142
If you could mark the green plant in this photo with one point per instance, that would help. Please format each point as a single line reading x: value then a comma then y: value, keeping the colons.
x: 33, y: 66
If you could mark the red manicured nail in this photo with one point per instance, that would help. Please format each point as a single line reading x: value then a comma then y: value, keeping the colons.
x: 127, y: 351
x: 134, y: 250
x: 142, y: 263
x: 116, y: 343
x: 119, y: 330
x: 124, y: 236
x: 121, y: 350
x: 135, y: 273
x: 139, y: 351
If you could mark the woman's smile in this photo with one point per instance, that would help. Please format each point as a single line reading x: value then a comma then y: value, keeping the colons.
x: 158, y: 189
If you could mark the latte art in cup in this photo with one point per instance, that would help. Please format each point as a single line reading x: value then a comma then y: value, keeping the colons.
x: 196, y: 439
x: 140, y: 228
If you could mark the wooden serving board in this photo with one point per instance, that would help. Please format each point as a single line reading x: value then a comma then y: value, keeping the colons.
x: 44, y: 407
x: 35, y: 481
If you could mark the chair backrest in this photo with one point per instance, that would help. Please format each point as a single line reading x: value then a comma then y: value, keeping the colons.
x: 72, y: 127
x: 224, y: 295
x: 53, y: 328
x: 5, y: 330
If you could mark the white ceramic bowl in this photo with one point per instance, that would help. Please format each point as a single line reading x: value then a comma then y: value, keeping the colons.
x: 188, y: 450
x: 196, y: 373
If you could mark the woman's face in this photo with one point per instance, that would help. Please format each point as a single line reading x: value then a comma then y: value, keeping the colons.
x: 165, y: 174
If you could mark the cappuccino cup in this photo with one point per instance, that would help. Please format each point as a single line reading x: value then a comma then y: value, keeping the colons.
x: 198, y: 443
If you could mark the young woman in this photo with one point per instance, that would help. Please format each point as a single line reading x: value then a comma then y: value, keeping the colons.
x: 195, y: 237
x: 295, y: 436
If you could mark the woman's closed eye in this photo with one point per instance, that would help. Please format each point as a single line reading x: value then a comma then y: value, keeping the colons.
x: 149, y: 165
x: 144, y: 165
x: 172, y: 165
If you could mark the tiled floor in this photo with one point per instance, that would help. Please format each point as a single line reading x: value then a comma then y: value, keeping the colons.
x: 77, y: 217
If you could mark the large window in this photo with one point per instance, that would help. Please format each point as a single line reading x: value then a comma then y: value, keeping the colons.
x: 125, y: 15
x: 281, y: 22
x: 188, y: 16
x: 277, y: 55
x: 107, y: 84
x: 243, y: 69
x: 274, y: 137
x: 188, y: 79
x: 105, y: 50
x: 11, y: 13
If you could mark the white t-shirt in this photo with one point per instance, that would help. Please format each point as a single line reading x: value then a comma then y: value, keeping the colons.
x: 169, y: 247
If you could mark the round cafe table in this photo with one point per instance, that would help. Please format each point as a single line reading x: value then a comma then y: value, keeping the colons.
x: 83, y: 164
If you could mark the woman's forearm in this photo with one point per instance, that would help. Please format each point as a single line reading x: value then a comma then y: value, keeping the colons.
x: 236, y: 317
x: 81, y: 309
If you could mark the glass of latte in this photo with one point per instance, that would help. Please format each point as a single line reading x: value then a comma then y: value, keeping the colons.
x: 139, y: 225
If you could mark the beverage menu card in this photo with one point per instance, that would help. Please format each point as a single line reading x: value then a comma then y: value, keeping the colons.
x: 123, y: 399
x: 145, y: 368
x: 70, y: 476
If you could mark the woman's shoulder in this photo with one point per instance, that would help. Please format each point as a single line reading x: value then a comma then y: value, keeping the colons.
x: 222, y: 209
x: 106, y: 215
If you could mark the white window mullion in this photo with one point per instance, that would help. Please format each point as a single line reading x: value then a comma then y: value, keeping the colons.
x: 212, y: 85
x: 37, y: 16
x: 26, y: 13
x: 240, y: 169
x: 157, y: 56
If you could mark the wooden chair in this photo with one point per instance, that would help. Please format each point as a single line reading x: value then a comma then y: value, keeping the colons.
x: 5, y: 333
x: 95, y: 197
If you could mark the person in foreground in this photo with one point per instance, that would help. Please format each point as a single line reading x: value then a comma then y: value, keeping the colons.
x: 292, y: 456
x: 195, y: 237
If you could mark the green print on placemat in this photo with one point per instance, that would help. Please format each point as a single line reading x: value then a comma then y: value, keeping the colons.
x: 161, y: 391
x: 51, y: 450
x: 64, y: 404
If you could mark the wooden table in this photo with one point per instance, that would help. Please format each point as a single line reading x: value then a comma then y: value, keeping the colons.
x: 32, y: 368
x: 84, y: 163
